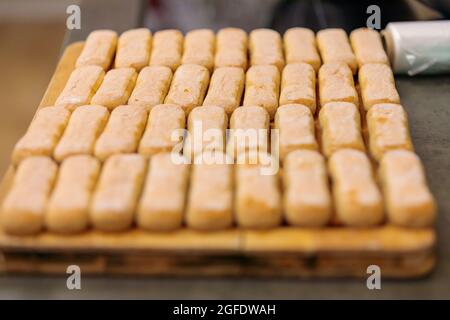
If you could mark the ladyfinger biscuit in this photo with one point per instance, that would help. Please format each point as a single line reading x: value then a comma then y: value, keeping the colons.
x: 163, y: 123
x: 377, y: 85
x: 188, y: 87
x: 133, y: 49
x: 24, y: 207
x: 367, y: 46
x: 258, y: 200
x: 43, y: 134
x: 334, y: 47
x: 167, y: 49
x: 226, y: 88
x: 306, y: 199
x: 296, y: 129
x: 117, y: 192
x: 356, y: 196
x: 81, y: 87
x: 262, y: 88
x: 68, y: 207
x: 298, y: 85
x: 122, y: 132
x: 249, y: 130
x: 340, y: 124
x: 98, y: 49
x: 207, y: 130
x: 336, y: 84
x: 151, y: 86
x: 162, y: 202
x: 210, y: 204
x: 199, y: 47
x: 388, y: 129
x: 85, y: 125
x: 116, y: 88
x: 231, y: 48
x: 300, y: 47
x: 409, y: 202
x: 266, y: 48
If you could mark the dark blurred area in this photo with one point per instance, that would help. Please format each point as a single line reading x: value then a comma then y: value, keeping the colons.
x: 283, y: 14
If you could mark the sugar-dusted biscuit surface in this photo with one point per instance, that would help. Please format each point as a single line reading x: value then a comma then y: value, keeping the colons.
x: 22, y: 211
x: 368, y: 47
x: 161, y: 206
x: 68, y: 207
x: 122, y: 132
x: 226, y: 88
x: 300, y: 47
x: 231, y: 48
x: 356, y: 196
x: 298, y: 85
x: 188, y: 87
x: 164, y: 129
x: 98, y: 49
x: 388, y: 129
x: 152, y: 85
x: 306, y: 198
x: 334, y: 47
x: 84, y: 127
x: 116, y: 194
x: 133, y: 49
x: 199, y: 48
x: 167, y: 49
x: 43, y: 134
x: 409, y: 202
x: 336, y: 84
x: 81, y: 87
x: 266, y: 48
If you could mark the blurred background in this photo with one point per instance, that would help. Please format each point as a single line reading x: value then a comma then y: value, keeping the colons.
x: 33, y: 33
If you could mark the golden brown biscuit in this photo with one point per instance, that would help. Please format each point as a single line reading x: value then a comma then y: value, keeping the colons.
x: 231, y: 48
x: 367, y: 46
x: 356, y: 196
x: 340, y: 124
x: 122, y: 132
x: 43, y: 134
x: 388, y: 129
x: 84, y: 127
x: 336, y: 84
x: 210, y: 204
x: 262, y: 88
x: 409, y: 202
x: 300, y: 47
x: 298, y: 85
x: 117, y: 192
x: 296, y: 129
x: 188, y: 87
x: 377, y: 85
x: 167, y: 49
x: 133, y: 49
x: 199, y: 47
x: 165, y: 121
x: 226, y: 88
x: 68, y: 207
x: 249, y: 130
x: 207, y: 130
x: 266, y: 48
x: 81, y: 87
x: 151, y: 87
x: 24, y: 206
x: 162, y: 202
x: 306, y: 199
x: 115, y: 88
x: 334, y: 47
x: 258, y: 199
x: 98, y: 49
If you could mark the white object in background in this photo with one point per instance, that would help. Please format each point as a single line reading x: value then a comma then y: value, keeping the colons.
x: 418, y: 47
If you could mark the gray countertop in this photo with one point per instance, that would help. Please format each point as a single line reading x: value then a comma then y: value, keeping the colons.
x: 427, y: 100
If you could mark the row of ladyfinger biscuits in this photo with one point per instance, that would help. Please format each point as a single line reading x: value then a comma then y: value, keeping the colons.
x: 154, y: 193
x: 190, y: 86
x: 93, y: 130
x: 137, y: 49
